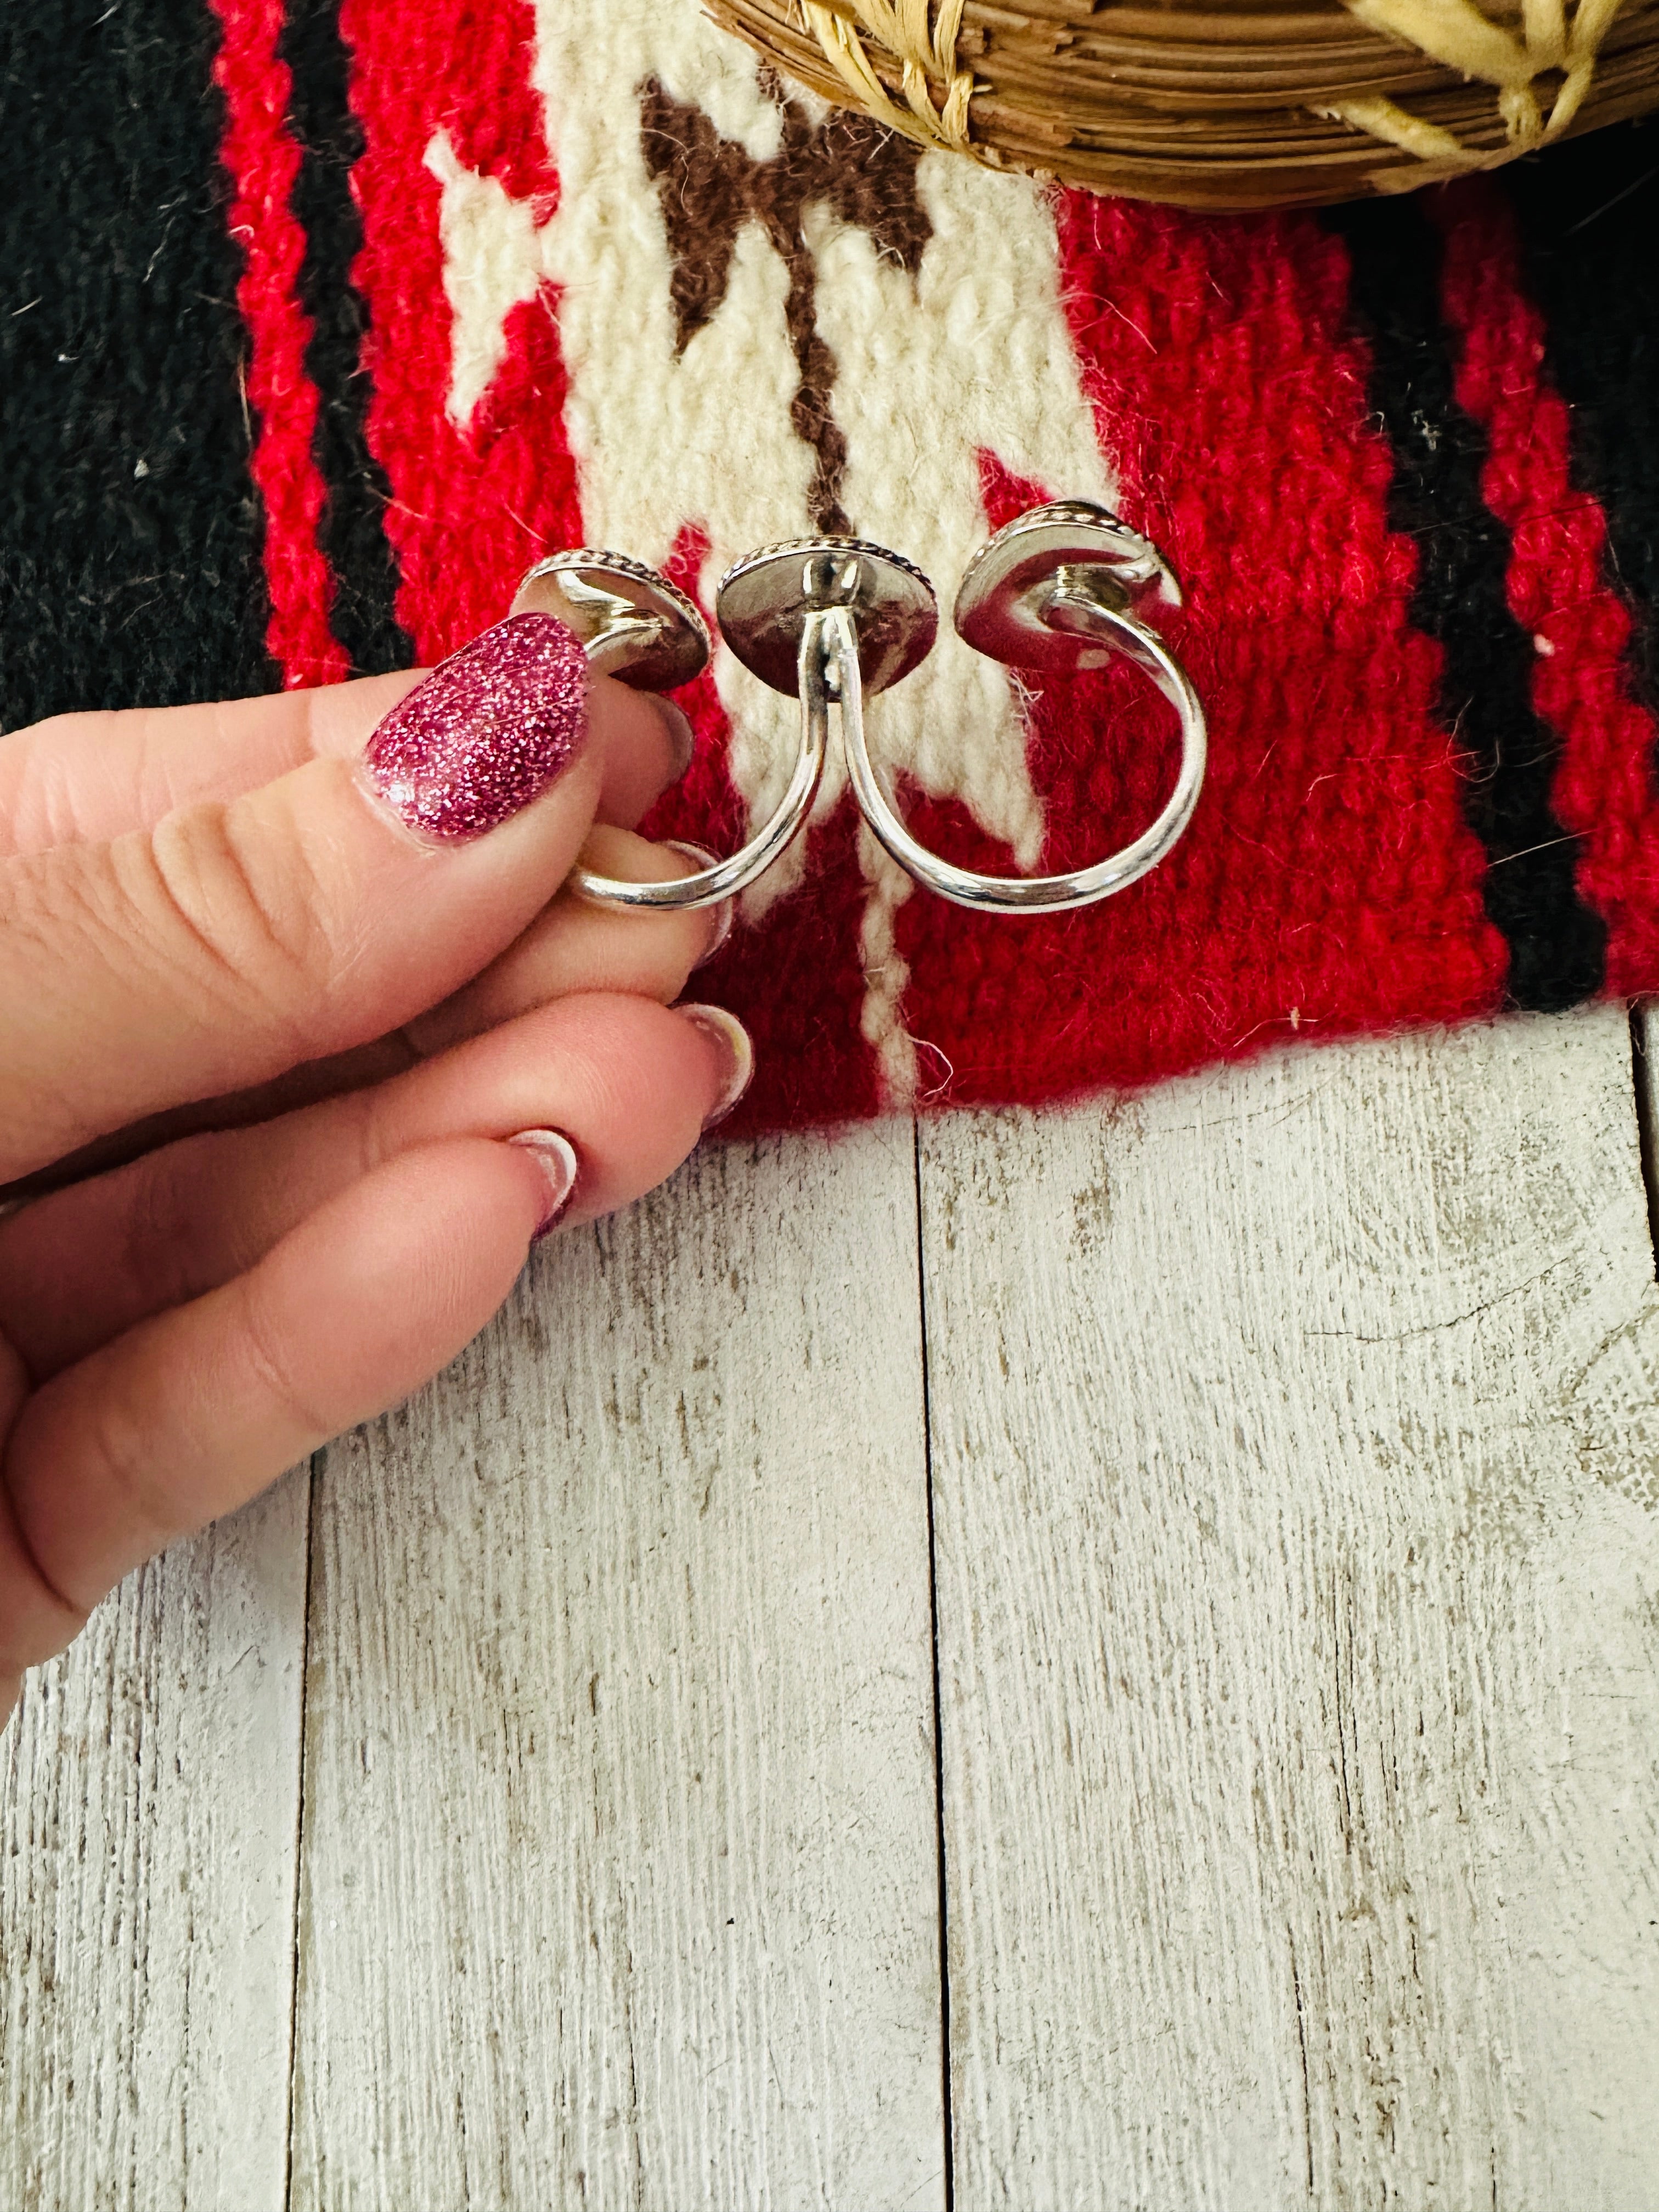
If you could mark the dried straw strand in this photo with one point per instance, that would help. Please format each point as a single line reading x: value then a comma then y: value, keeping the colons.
x: 1459, y: 36
x: 923, y: 53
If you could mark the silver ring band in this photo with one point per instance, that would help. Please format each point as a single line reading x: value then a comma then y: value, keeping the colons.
x: 709, y: 886
x: 636, y: 624
x: 1079, y: 887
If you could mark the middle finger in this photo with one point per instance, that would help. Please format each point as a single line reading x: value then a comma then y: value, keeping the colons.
x: 627, y: 1082
x: 572, y: 945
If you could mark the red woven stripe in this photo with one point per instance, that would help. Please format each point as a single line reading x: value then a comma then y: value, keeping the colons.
x: 1328, y: 882
x: 263, y: 161
x: 471, y: 507
x: 1557, y: 579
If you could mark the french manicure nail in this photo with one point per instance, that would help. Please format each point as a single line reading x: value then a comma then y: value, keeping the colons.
x: 725, y: 914
x: 555, y: 1156
x: 728, y: 1034
x: 488, y: 730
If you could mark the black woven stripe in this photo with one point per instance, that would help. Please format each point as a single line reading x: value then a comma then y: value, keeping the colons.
x: 130, y: 531
x: 1589, y: 219
x: 352, y: 531
x: 1557, y: 945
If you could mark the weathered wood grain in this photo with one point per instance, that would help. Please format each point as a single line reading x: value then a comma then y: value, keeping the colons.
x: 148, y: 1814
x: 1296, y: 1470
x: 1296, y: 1466
x: 619, y: 1869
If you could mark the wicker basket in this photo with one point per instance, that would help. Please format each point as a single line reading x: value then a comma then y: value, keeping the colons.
x: 1224, y: 103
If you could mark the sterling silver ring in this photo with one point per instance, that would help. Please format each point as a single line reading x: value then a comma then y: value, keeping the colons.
x: 827, y: 620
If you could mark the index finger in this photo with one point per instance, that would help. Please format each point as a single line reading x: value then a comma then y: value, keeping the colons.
x: 85, y: 779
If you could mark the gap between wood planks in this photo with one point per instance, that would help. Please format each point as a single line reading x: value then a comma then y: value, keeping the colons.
x: 939, y: 1705
x: 298, y: 2181
x: 312, y: 1471
x: 1647, y: 1111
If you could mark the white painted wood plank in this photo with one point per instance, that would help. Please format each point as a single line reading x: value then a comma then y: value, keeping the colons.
x: 619, y: 1881
x: 148, y: 1815
x: 1297, y: 1486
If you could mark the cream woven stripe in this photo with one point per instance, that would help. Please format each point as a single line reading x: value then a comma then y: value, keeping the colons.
x: 1555, y: 35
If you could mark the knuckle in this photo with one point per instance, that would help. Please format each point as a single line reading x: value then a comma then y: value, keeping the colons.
x: 155, y: 1224
x: 271, y: 1367
x: 146, y: 1231
x: 116, y: 1461
x: 39, y: 903
x: 243, y: 918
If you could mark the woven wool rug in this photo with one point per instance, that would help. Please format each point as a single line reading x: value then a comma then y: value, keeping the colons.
x: 321, y: 320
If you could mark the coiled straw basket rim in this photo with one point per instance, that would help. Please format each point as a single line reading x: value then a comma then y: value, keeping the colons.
x: 1222, y: 103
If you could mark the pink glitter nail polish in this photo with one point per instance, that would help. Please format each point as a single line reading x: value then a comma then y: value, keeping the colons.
x: 488, y: 731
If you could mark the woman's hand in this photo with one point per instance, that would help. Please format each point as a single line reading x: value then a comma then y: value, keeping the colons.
x: 301, y: 967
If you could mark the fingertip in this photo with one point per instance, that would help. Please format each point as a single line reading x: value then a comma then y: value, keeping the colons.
x: 646, y: 743
x: 624, y: 856
x: 629, y: 1060
x: 636, y: 1084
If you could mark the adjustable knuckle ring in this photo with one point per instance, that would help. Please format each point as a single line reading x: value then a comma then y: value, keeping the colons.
x: 1061, y: 590
x: 827, y: 620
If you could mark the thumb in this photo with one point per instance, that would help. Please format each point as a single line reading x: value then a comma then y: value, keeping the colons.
x: 237, y: 939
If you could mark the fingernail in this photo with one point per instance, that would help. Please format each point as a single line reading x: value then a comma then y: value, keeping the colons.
x: 679, y: 733
x: 725, y: 914
x: 555, y: 1156
x: 730, y: 1037
x: 488, y: 730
